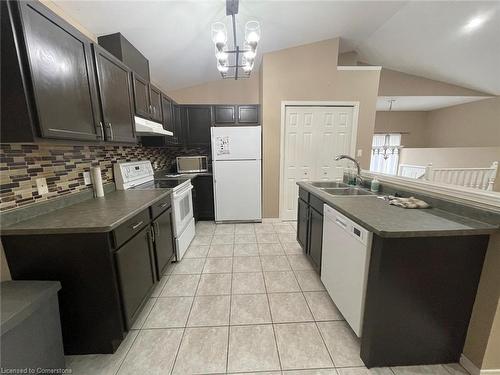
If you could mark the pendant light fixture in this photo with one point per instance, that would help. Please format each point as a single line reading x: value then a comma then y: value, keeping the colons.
x: 236, y: 62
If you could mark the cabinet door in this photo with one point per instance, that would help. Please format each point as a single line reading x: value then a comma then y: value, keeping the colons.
x: 167, y: 111
x: 62, y: 75
x: 198, y: 122
x: 248, y: 114
x: 204, y: 197
x: 302, y: 223
x: 155, y: 101
x: 225, y: 114
x: 315, y: 237
x: 115, y: 89
x: 164, y: 241
x: 141, y: 97
x: 135, y: 273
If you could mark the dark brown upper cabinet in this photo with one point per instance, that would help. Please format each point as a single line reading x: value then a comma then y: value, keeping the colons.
x: 167, y: 109
x: 248, y: 114
x: 56, y: 79
x: 225, y: 114
x: 114, y: 81
x: 198, y: 120
x: 141, y: 96
x: 155, y: 103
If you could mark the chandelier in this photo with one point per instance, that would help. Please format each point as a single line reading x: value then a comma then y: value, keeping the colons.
x: 237, y: 62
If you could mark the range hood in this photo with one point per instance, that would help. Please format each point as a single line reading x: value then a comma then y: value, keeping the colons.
x: 149, y: 128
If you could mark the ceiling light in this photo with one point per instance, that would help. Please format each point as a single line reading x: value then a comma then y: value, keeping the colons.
x: 243, y: 57
x: 474, y: 23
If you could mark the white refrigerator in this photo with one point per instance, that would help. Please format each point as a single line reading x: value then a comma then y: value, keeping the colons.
x: 236, y: 163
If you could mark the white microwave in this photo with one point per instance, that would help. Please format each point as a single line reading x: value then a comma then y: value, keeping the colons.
x: 192, y: 164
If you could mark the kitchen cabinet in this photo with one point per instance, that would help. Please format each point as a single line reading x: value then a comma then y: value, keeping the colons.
x: 302, y: 223
x: 123, y: 50
x: 198, y: 120
x: 225, y: 114
x: 135, y: 273
x: 315, y: 237
x: 53, y: 79
x: 106, y: 276
x: 155, y: 103
x: 115, y: 91
x: 248, y: 114
x: 203, y: 197
x: 167, y: 110
x: 141, y: 96
x: 310, y: 226
x: 239, y: 115
x: 163, y: 238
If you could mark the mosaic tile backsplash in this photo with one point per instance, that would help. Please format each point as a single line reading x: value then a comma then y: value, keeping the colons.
x: 63, y: 167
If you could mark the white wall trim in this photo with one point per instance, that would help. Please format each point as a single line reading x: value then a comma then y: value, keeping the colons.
x: 474, y: 370
x: 483, y: 199
x: 306, y: 103
x: 359, y: 67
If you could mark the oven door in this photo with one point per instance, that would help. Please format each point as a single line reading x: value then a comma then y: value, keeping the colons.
x: 182, y: 202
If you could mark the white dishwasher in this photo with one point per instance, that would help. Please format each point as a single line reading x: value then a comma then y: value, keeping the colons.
x: 344, y: 265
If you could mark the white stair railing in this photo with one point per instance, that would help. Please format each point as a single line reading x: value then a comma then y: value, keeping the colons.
x: 476, y: 178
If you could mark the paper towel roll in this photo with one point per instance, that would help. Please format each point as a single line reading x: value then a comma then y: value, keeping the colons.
x: 97, y: 181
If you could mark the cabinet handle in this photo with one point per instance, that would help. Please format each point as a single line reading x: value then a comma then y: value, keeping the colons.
x: 102, y: 130
x: 157, y: 228
x: 152, y: 231
x: 164, y: 204
x: 135, y: 226
x: 150, y: 108
x: 111, y: 131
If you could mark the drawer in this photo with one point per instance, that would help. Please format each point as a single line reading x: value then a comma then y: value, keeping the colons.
x: 130, y: 228
x: 160, y: 206
x: 304, y: 195
x: 316, y: 203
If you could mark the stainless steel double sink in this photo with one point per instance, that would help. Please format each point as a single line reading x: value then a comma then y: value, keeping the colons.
x: 340, y: 188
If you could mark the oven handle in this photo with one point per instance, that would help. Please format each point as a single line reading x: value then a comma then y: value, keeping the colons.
x: 183, y: 192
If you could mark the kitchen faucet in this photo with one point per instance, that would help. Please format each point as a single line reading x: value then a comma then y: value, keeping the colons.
x: 359, y: 179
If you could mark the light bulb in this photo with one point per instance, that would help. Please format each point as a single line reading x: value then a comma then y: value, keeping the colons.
x: 219, y: 35
x: 222, y: 68
x: 252, y: 34
x: 253, y: 37
x: 221, y: 57
x: 247, y: 68
x: 249, y: 55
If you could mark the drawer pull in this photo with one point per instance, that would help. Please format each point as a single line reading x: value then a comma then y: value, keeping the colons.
x: 165, y: 204
x: 137, y: 225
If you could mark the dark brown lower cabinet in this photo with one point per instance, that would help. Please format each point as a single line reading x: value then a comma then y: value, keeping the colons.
x: 163, y: 241
x: 106, y: 277
x: 310, y: 227
x: 134, y: 264
x: 315, y: 237
x: 203, y: 198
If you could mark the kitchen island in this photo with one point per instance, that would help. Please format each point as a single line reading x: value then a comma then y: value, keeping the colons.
x: 423, y: 269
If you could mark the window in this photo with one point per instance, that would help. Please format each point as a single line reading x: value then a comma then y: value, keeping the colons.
x: 385, y: 153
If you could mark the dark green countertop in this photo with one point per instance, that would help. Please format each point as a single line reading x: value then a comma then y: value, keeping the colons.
x: 93, y: 215
x: 386, y: 220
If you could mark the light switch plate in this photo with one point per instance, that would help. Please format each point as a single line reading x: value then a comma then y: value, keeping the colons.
x: 86, y: 178
x: 41, y: 185
x: 359, y: 153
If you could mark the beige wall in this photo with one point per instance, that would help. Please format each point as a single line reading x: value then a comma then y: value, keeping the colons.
x: 492, y: 356
x: 452, y: 157
x: 309, y: 72
x: 394, y: 83
x: 57, y: 10
x: 413, y: 125
x: 483, y: 338
x: 474, y: 124
x: 222, y: 91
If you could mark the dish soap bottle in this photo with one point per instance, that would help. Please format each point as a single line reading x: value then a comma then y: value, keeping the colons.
x: 375, y: 185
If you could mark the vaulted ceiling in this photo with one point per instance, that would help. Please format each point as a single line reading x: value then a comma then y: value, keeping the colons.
x: 431, y: 39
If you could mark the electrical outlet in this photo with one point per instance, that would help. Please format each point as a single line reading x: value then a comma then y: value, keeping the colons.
x: 86, y: 178
x: 359, y: 153
x: 41, y: 185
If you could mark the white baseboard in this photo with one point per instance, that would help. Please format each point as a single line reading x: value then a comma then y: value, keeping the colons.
x: 474, y: 370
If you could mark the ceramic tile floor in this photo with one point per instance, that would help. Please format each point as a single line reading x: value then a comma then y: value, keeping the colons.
x: 243, y: 300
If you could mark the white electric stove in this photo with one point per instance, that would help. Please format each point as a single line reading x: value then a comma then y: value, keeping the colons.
x: 140, y: 175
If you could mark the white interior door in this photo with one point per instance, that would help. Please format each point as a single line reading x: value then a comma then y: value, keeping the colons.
x: 237, y: 190
x: 313, y: 136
